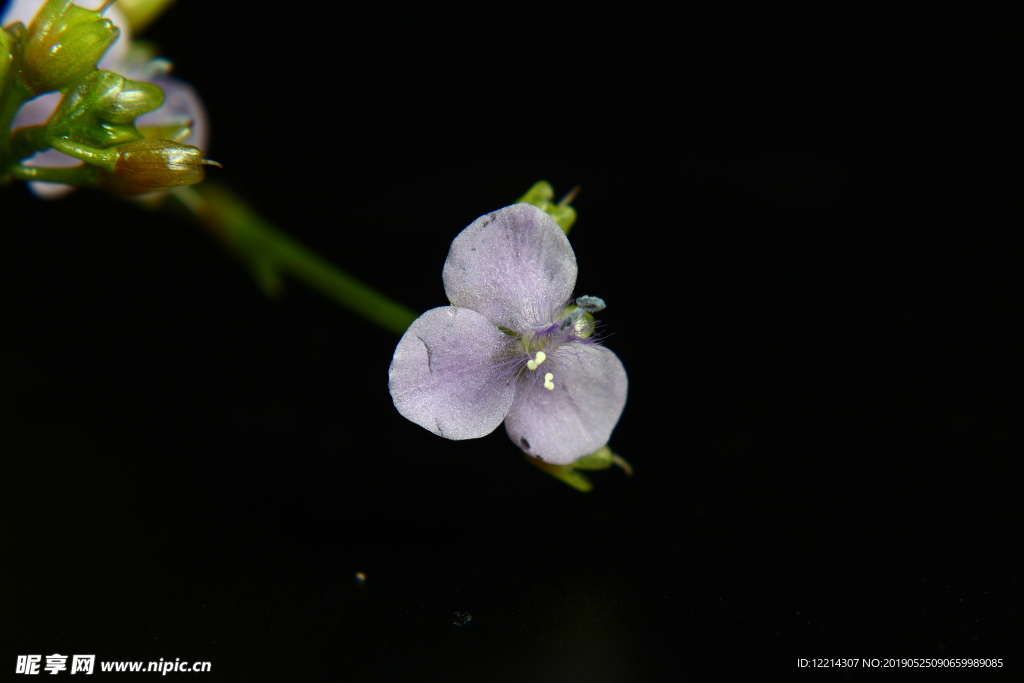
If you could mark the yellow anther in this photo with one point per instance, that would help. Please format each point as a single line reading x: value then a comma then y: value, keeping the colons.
x: 533, y: 364
x: 548, y: 384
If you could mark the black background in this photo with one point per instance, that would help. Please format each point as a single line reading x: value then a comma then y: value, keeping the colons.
x: 805, y: 218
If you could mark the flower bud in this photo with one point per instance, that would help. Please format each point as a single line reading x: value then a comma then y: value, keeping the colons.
x: 101, y: 110
x: 63, y: 44
x: 153, y: 164
x: 116, y: 99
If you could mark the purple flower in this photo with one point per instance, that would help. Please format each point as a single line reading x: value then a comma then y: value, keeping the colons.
x: 510, y: 347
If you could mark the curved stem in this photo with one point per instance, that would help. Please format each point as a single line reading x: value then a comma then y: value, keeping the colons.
x: 82, y: 175
x: 270, y: 253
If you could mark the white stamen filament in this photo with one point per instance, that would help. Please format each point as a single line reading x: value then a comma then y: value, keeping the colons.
x: 548, y: 384
x: 533, y: 364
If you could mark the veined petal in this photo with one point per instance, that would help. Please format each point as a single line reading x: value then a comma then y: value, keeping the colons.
x: 515, y: 266
x: 447, y: 374
x: 575, y: 418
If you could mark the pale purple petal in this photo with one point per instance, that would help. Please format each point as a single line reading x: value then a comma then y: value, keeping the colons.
x: 447, y: 374
x: 32, y: 113
x: 181, y: 105
x: 37, y: 110
x: 51, y: 158
x: 575, y: 418
x: 514, y: 265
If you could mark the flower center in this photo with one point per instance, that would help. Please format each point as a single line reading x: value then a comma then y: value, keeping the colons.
x: 577, y: 322
x: 535, y: 363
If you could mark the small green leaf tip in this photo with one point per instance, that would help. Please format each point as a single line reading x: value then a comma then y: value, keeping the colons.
x: 602, y: 459
x: 542, y: 195
x: 573, y: 475
x: 63, y: 44
x: 142, y: 13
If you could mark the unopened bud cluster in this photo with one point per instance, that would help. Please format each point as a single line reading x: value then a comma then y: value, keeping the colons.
x: 95, y: 121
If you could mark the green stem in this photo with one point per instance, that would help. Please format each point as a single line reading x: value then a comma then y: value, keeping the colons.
x: 11, y: 99
x: 28, y: 140
x: 270, y: 253
x: 82, y: 175
x: 104, y: 158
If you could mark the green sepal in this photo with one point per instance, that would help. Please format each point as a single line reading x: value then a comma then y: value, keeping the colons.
x: 600, y: 460
x: 573, y: 475
x: 542, y: 195
x: 564, y: 473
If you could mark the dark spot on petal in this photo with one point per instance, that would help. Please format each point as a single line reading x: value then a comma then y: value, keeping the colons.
x: 525, y: 444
